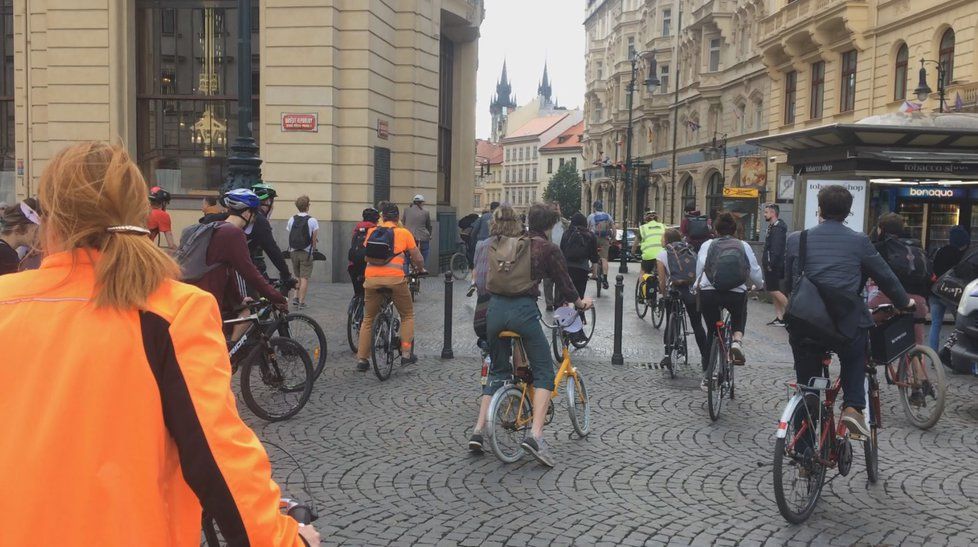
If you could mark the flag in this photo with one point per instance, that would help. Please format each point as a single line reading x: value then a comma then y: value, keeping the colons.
x: 908, y: 106
x: 693, y: 125
x: 958, y: 103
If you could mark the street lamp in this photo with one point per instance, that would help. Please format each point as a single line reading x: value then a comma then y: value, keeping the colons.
x: 244, y: 165
x: 651, y: 82
x: 923, y: 90
x: 714, y: 149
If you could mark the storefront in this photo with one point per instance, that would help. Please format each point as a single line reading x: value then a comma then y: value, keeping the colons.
x: 924, y: 167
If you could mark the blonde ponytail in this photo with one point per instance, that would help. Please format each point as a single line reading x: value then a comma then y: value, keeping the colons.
x: 88, y: 188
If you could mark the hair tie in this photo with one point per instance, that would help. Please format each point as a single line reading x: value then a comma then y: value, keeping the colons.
x: 126, y: 229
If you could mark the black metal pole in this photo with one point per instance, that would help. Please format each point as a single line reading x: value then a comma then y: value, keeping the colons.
x: 675, y: 114
x: 244, y: 164
x: 723, y: 164
x: 446, y: 348
x: 940, y: 86
x: 623, y: 263
x: 616, y: 357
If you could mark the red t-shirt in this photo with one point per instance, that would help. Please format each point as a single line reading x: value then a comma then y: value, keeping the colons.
x: 159, y: 221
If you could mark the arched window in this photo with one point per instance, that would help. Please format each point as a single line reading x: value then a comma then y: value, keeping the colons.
x: 900, y: 74
x: 689, y: 193
x: 946, y: 55
x: 714, y: 193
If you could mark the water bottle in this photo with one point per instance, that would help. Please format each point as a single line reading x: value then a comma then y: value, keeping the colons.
x: 486, y: 361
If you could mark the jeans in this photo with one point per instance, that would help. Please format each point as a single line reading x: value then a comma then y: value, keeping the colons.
x: 372, y: 300
x: 518, y: 314
x: 937, y: 310
x: 424, y: 247
x: 808, y: 365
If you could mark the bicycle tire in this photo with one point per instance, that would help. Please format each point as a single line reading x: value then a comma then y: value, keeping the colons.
x: 557, y: 344
x: 317, y: 349
x: 381, y: 350
x: 715, y: 386
x: 354, y: 316
x: 641, y: 307
x: 681, y: 333
x: 598, y: 282
x: 815, y: 481
x: 295, y: 390
x: 871, y: 450
x: 578, y: 404
x: 669, y: 336
x: 505, y: 435
x: 934, y: 372
x: 588, y: 327
x: 459, y: 265
x: 658, y: 310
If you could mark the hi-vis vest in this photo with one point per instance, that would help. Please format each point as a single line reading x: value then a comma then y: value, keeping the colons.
x: 651, y: 234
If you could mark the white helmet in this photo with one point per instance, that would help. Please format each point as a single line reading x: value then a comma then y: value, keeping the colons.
x: 418, y: 197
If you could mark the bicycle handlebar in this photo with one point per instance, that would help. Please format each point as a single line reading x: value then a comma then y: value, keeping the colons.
x: 301, y: 513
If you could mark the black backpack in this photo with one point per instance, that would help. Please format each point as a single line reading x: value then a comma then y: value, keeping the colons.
x: 727, y: 265
x: 299, y: 236
x: 909, y: 262
x: 357, y: 253
x: 574, y: 245
x: 380, y: 244
x: 698, y: 227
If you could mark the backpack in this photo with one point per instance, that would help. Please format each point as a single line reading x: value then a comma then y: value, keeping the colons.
x: 380, y: 245
x: 357, y: 253
x: 509, y: 266
x: 299, y: 236
x: 682, y: 263
x: 909, y: 262
x: 191, y: 254
x: 727, y: 265
x: 574, y: 246
x: 698, y: 227
x: 602, y: 224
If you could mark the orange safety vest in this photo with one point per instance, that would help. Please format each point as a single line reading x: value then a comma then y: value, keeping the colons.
x: 403, y: 241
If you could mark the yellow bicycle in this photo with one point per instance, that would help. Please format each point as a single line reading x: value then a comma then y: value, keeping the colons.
x: 511, y: 408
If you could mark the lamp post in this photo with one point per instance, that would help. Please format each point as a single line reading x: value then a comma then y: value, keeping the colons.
x: 717, y: 148
x: 923, y: 90
x: 650, y: 84
x: 244, y: 165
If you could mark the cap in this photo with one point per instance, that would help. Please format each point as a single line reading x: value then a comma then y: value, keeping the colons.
x: 391, y: 211
x: 418, y: 197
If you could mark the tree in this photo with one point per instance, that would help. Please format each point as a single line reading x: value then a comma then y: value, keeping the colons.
x: 565, y: 188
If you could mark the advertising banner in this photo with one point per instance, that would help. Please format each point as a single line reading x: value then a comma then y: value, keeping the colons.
x: 857, y: 215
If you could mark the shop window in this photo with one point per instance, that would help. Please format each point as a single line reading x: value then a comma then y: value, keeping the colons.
x: 848, y: 97
x: 946, y: 55
x: 817, y: 90
x: 714, y: 193
x: 900, y: 74
x: 790, y: 94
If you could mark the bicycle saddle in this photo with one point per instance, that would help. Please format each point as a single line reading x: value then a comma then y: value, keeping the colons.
x: 509, y: 334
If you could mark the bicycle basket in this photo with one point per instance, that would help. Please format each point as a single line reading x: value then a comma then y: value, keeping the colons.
x: 568, y: 319
x: 892, y: 338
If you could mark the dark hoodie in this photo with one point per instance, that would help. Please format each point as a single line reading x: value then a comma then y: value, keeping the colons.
x: 260, y: 239
x: 578, y: 225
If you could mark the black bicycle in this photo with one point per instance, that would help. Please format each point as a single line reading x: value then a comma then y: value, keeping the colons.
x: 299, y: 327
x: 676, y: 334
x: 354, y: 317
x: 385, y: 347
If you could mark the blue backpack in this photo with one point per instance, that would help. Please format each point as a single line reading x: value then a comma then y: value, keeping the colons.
x: 380, y: 245
x: 602, y: 224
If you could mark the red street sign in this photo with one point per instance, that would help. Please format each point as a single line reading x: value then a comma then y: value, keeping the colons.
x: 300, y: 122
x: 382, y: 129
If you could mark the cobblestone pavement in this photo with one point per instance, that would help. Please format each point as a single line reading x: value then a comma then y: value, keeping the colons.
x: 387, y: 464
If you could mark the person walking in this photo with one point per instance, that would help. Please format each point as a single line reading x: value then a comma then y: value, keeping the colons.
x: 946, y: 258
x: 580, y: 250
x: 603, y: 227
x: 19, y: 226
x: 303, y: 232
x: 143, y: 433
x: 773, y: 260
x: 417, y: 220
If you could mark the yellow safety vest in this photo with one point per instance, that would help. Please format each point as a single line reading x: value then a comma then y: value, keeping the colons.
x: 651, y: 234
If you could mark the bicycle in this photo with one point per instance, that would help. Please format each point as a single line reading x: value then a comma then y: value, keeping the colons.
x: 288, y: 384
x: 414, y: 285
x: 510, y: 413
x: 459, y: 263
x: 647, y: 296
x: 589, y: 319
x: 354, y: 317
x: 808, y: 439
x: 675, y: 335
x: 913, y: 376
x: 385, y: 346
x: 720, y: 372
x: 299, y: 327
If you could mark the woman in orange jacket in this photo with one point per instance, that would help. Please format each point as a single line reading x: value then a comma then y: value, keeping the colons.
x: 118, y: 418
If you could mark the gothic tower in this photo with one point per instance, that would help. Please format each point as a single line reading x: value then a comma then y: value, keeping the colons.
x: 501, y: 105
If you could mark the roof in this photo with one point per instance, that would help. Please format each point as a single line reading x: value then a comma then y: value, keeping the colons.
x: 571, y: 139
x: 486, y: 150
x: 536, y: 126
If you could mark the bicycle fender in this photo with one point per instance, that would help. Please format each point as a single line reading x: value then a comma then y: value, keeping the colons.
x: 789, y: 410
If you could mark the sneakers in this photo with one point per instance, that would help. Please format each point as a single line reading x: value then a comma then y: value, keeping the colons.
x: 363, y: 365
x: 704, y: 385
x: 604, y: 282
x: 777, y: 322
x: 538, y: 449
x: 295, y: 301
x: 737, y: 352
x: 917, y: 397
x: 665, y: 363
x: 475, y: 442
x: 409, y: 359
x: 855, y: 421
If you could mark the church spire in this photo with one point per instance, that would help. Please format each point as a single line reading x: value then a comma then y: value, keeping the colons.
x: 544, y: 89
x: 503, y: 97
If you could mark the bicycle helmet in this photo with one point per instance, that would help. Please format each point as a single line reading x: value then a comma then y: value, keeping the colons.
x: 159, y: 195
x: 240, y: 199
x: 391, y: 211
x: 371, y: 215
x: 264, y: 191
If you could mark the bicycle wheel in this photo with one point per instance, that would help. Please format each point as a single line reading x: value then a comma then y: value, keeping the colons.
x: 924, y: 391
x: 641, y: 306
x: 597, y: 284
x: 657, y: 304
x: 307, y: 332
x: 508, y: 422
x: 871, y: 449
x: 716, y: 380
x: 460, y: 266
x: 354, y: 316
x: 798, y: 477
x: 589, y: 320
x: 382, y: 350
x: 557, y: 344
x: 277, y: 389
x: 669, y: 336
x: 578, y: 404
x: 682, y: 341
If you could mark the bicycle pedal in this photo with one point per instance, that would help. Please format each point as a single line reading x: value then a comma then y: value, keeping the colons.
x: 854, y: 436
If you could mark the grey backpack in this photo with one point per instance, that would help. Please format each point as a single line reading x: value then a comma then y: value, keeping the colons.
x: 192, y: 252
x: 727, y: 265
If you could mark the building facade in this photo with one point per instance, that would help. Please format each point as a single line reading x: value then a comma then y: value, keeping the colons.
x: 564, y: 149
x: 352, y: 104
x: 488, y: 174
x: 523, y: 179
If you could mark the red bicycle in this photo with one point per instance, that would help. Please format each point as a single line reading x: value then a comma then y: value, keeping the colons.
x: 720, y: 372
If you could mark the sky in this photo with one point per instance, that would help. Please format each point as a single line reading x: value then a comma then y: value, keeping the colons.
x: 526, y: 33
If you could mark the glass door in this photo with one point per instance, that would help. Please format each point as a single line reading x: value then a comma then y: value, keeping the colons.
x: 941, y: 217
x: 914, y: 218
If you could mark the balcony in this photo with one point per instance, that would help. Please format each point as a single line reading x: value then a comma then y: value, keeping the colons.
x: 807, y: 25
x: 713, y: 14
x: 968, y: 94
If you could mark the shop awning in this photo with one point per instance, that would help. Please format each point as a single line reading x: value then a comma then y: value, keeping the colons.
x: 854, y: 136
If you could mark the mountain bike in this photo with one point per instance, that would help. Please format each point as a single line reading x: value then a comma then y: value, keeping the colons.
x: 676, y: 334
x: 459, y: 263
x: 276, y: 373
x: 720, y: 372
x: 299, y: 327
x: 354, y: 317
x: 385, y: 346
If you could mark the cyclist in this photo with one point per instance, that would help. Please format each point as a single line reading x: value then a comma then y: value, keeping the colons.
x: 603, y: 227
x: 725, y: 266
x: 388, y: 273
x: 649, y: 240
x: 159, y: 220
x: 519, y: 313
x: 479, y: 230
x: 210, y: 205
x: 183, y: 447
x: 355, y: 255
x: 18, y: 228
x: 580, y: 250
x: 838, y: 258
x: 675, y: 271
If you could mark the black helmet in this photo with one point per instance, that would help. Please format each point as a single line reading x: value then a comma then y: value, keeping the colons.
x: 371, y: 215
x: 159, y: 195
x: 391, y: 211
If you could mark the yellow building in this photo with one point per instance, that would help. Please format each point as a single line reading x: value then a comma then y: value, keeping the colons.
x: 488, y: 175
x: 354, y: 102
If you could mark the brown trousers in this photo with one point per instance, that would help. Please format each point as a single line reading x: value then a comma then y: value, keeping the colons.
x: 373, y: 299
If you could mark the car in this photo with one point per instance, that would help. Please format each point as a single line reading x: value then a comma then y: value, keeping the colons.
x: 615, y: 250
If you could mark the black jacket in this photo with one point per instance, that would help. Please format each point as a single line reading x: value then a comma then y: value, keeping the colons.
x: 260, y: 239
x: 774, y: 247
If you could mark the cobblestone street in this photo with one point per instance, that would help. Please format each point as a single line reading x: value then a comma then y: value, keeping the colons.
x: 387, y: 462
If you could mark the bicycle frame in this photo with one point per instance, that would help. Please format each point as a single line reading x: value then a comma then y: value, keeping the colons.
x: 566, y: 370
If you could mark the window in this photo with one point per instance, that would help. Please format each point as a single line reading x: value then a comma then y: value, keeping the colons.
x: 741, y: 114
x: 631, y: 47
x: 446, y: 94
x: 848, y: 81
x: 600, y: 70
x: 550, y: 165
x: 664, y: 78
x: 187, y: 91
x: 521, y: 153
x: 714, y: 54
x: 574, y: 162
x: 534, y: 172
x: 759, y: 114
x: 534, y: 152
x: 689, y: 192
x: 946, y: 55
x: 666, y: 22
x: 714, y: 193
x: 508, y: 150
x: 561, y: 162
x: 818, y: 90
x: 900, y: 74
x: 507, y: 174
x: 790, y: 94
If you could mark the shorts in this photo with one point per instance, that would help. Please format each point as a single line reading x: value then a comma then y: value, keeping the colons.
x: 648, y: 266
x: 772, y: 281
x: 302, y: 264
x: 603, y: 245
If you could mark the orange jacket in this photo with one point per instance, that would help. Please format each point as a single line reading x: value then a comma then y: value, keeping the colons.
x: 115, y: 423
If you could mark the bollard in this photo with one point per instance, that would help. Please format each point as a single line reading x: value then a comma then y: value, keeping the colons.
x: 446, y: 348
x: 616, y: 357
